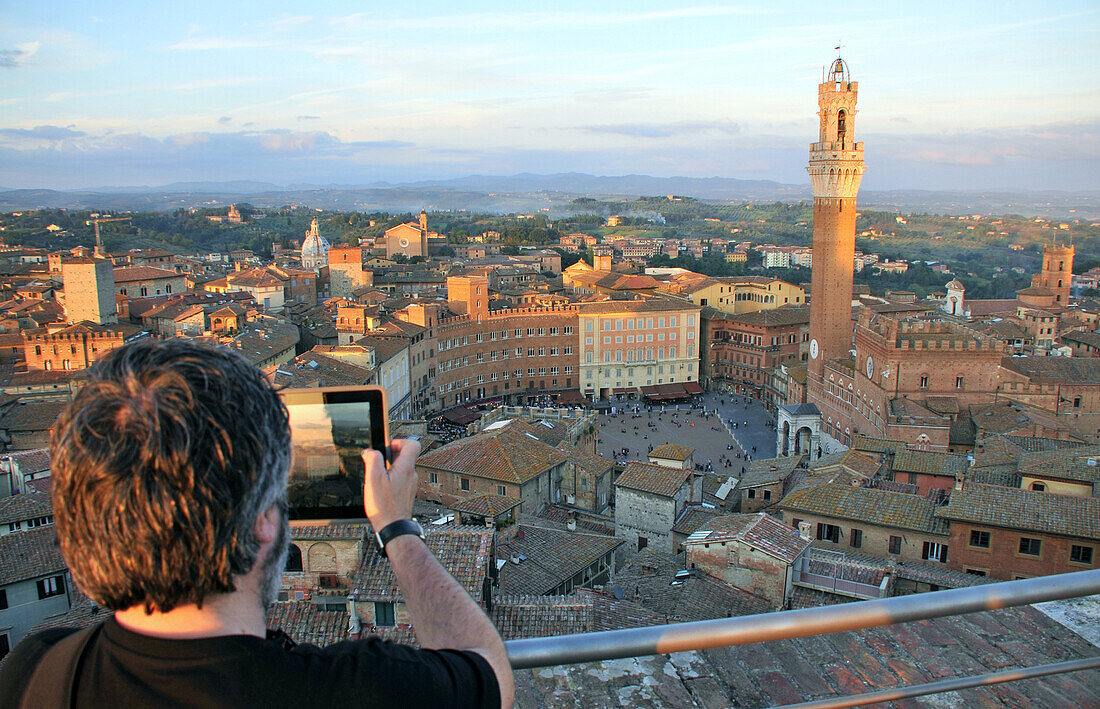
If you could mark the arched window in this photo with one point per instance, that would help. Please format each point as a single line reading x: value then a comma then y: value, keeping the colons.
x: 322, y: 558
x: 841, y: 125
x: 294, y: 558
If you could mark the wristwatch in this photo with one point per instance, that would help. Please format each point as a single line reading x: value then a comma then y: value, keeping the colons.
x: 397, y: 529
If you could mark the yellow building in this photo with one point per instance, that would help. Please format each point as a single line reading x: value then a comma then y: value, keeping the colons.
x: 736, y: 294
x: 627, y: 345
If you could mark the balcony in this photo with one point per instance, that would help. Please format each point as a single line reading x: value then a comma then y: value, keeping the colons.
x: 940, y: 642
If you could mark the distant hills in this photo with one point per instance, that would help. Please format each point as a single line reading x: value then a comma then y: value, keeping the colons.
x: 528, y: 192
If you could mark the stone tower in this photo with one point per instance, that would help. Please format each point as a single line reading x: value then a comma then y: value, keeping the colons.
x: 89, y: 286
x: 836, y: 169
x: 424, y: 234
x: 1057, y: 273
x: 601, y: 258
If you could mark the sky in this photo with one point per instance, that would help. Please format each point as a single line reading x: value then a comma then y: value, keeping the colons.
x: 971, y: 96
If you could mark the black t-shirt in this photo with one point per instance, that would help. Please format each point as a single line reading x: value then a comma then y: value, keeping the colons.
x: 127, y: 669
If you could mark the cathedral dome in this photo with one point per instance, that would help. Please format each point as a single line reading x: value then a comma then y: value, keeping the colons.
x: 315, y: 248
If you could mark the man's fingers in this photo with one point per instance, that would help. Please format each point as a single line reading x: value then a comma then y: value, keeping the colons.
x: 404, y: 446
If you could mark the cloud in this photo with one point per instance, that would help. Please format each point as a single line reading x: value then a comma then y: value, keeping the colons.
x: 309, y: 118
x: 19, y: 55
x: 42, y: 133
x: 535, y: 21
x: 207, y: 44
x: 286, y: 23
x: 666, y: 130
x: 225, y: 119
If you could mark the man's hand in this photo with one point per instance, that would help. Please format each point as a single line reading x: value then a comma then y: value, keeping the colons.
x: 388, y: 494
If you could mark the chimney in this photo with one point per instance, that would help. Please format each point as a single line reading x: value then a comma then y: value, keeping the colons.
x: 958, y: 483
x: 804, y: 530
x: 571, y: 525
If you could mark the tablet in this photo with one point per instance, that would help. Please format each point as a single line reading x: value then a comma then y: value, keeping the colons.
x: 329, y: 428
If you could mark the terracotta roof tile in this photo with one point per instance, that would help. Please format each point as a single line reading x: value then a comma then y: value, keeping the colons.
x: 553, y: 556
x: 1024, y: 509
x: 672, y: 451
x: 654, y: 479
x: 758, y: 530
x: 464, y: 551
x: 880, y: 507
x: 505, y: 454
x: 306, y: 622
x: 16, y: 508
x: 30, y: 554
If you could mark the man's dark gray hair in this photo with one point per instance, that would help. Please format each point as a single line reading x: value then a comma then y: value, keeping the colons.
x: 161, y: 465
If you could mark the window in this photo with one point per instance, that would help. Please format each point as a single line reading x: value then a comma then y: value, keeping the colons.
x: 464, y: 483
x: 1077, y: 554
x: 752, y: 493
x: 53, y: 586
x: 934, y: 551
x: 383, y: 615
x: 1031, y: 547
x: 856, y: 538
x: 293, y: 558
x: 976, y: 572
x: 433, y: 478
x: 5, y: 645
x: 958, y: 382
x: 642, y: 543
x: 979, y: 539
x: 1038, y: 487
x: 501, y: 490
x: 767, y: 494
x: 895, y: 545
x: 3, y: 598
x: 924, y: 381
x: 830, y: 532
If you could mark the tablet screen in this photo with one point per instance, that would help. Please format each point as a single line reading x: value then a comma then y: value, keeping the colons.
x: 329, y: 430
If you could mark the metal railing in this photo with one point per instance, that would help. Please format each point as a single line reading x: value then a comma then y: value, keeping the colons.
x: 744, y: 630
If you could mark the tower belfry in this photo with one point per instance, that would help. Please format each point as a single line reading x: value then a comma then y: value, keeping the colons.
x: 836, y: 169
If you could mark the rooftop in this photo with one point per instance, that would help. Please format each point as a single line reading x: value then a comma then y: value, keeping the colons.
x: 507, y: 454
x: 654, y: 479
x: 29, y: 554
x: 1024, y: 509
x: 672, y: 451
x: 552, y: 557
x: 757, y: 530
x: 885, y: 508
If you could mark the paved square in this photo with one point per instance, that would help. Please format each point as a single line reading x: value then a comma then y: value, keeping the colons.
x: 709, y: 434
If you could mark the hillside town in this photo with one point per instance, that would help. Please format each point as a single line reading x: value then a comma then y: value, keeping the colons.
x: 612, y: 445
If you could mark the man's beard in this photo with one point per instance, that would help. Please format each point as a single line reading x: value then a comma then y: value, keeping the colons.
x: 275, y: 563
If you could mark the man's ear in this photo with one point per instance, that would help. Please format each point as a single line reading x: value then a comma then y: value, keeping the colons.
x: 267, y: 525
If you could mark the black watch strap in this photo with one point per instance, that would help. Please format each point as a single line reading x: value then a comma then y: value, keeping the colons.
x: 397, y: 529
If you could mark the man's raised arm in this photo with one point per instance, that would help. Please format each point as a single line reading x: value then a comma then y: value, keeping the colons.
x: 443, y: 614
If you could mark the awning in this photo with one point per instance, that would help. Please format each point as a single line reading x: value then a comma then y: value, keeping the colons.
x: 461, y: 416
x: 672, y: 391
x: 693, y: 388
x: 572, y: 396
x: 623, y: 390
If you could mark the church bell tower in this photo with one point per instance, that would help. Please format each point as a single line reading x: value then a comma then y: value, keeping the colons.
x: 836, y: 169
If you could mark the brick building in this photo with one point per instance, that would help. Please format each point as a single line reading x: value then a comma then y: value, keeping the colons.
x: 74, y: 347
x: 753, y: 552
x: 867, y: 520
x: 747, y: 347
x: 1006, y: 533
x: 518, y: 354
x: 504, y: 460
